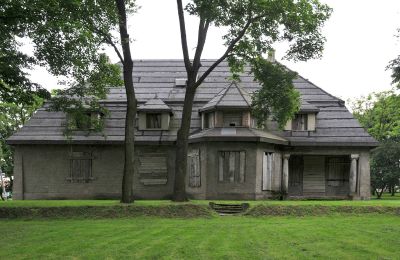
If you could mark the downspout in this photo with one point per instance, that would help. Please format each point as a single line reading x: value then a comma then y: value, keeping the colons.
x: 22, y: 177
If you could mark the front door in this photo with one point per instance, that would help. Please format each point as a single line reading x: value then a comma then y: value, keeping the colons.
x: 296, y: 166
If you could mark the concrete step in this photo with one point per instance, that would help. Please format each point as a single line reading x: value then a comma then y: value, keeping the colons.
x: 229, y: 209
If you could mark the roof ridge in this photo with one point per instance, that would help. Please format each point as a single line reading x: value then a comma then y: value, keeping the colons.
x: 224, y: 94
x: 242, y: 92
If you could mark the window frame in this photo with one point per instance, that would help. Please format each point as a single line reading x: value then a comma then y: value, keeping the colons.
x: 148, y: 115
x: 242, y: 167
x: 194, y: 176
x: 80, y: 156
x: 305, y: 117
x: 266, y: 183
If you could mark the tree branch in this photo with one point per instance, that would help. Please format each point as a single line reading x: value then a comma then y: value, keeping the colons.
x: 108, y: 40
x: 183, y: 36
x: 227, y: 52
x: 201, y: 39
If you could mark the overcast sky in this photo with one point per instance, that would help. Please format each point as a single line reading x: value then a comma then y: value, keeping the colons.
x: 360, y: 43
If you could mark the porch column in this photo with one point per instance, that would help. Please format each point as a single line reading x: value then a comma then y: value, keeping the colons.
x: 285, y: 173
x: 353, y: 173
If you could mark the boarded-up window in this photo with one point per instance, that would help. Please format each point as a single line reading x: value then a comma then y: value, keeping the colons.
x: 153, y: 168
x: 233, y: 119
x: 300, y: 122
x: 338, y: 170
x: 267, y: 170
x: 80, y: 167
x: 209, y: 120
x: 153, y: 120
x: 194, y: 169
x: 232, y: 166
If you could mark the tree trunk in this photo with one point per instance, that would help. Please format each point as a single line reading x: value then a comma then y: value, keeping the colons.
x: 393, y: 190
x: 182, y: 144
x: 129, y: 164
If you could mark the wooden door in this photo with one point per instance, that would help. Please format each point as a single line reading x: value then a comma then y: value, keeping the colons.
x: 296, y: 166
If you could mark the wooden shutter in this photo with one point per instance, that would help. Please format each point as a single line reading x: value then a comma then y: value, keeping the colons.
x: 268, y: 160
x: 153, y: 168
x: 232, y: 166
x: 80, y: 167
x: 194, y: 169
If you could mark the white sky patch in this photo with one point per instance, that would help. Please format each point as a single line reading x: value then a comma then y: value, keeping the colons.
x: 360, y: 44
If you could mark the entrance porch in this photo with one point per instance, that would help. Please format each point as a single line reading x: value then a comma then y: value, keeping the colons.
x: 317, y: 176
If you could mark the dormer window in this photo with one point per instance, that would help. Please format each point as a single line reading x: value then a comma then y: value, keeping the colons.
x: 154, y: 115
x: 233, y: 119
x: 84, y: 121
x: 153, y: 120
x: 302, y: 122
x: 299, y: 122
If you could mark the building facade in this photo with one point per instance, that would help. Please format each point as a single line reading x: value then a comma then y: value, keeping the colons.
x: 322, y: 153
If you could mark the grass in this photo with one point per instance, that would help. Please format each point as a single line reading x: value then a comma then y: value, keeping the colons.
x: 328, y: 237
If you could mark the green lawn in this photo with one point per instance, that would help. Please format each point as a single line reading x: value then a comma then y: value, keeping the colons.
x: 329, y: 237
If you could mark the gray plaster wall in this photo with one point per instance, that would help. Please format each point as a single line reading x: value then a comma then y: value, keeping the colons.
x: 225, y: 190
x: 41, y: 172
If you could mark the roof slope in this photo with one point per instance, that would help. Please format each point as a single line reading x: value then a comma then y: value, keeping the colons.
x: 335, y: 124
x: 154, y: 104
x: 232, y: 96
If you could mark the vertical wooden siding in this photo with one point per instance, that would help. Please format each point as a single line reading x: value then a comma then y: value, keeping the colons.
x: 314, y: 176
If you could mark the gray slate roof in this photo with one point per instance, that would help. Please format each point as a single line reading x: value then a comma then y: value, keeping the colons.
x: 232, y: 96
x: 154, y: 105
x: 336, y: 126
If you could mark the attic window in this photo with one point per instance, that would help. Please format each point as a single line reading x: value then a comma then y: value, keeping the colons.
x: 300, y: 122
x: 232, y: 119
x: 153, y: 120
x: 84, y: 121
x: 180, y: 82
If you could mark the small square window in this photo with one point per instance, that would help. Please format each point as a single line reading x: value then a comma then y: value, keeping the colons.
x: 300, y: 122
x: 80, y: 167
x: 153, y: 121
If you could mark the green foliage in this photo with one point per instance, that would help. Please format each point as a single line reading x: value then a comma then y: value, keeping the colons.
x: 379, y: 114
x: 12, y: 117
x: 277, y: 89
x: 394, y: 65
x: 266, y: 22
x: 81, y: 101
x: 385, y: 166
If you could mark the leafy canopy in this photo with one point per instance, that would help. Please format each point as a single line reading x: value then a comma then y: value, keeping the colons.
x: 379, y: 114
x: 394, y: 65
x: 277, y: 89
x: 385, y: 166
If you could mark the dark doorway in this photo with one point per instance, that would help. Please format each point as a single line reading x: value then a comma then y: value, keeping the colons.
x: 296, y: 167
x: 337, y: 175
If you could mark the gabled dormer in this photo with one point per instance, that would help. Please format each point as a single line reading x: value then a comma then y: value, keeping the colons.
x: 229, y: 108
x: 154, y: 115
x: 305, y: 119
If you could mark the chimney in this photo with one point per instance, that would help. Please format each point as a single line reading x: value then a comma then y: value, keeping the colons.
x: 180, y: 82
x: 271, y: 55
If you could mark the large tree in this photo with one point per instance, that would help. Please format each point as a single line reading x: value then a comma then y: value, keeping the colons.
x: 385, y: 167
x: 379, y: 114
x: 252, y: 27
x: 67, y: 36
x: 19, y: 96
x: 394, y: 65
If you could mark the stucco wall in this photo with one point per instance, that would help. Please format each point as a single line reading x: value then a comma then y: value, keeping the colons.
x: 41, y: 173
x: 226, y: 190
